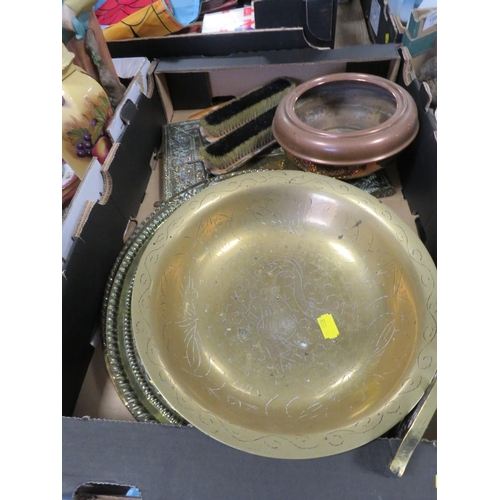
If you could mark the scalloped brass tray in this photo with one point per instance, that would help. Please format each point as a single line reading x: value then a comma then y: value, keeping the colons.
x: 123, y: 366
x: 229, y: 304
x: 125, y: 369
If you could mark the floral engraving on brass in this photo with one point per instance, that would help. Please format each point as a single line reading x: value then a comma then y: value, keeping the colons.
x: 225, y: 307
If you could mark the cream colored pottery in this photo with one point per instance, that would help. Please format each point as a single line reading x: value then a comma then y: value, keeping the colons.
x: 85, y: 112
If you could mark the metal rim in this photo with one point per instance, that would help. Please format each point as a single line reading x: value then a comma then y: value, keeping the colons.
x: 352, y: 147
x: 311, y: 445
x: 123, y: 365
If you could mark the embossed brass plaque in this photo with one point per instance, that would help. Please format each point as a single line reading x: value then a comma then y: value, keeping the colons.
x: 286, y: 314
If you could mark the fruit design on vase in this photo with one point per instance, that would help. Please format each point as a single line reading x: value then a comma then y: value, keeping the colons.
x: 86, y: 112
x: 87, y: 133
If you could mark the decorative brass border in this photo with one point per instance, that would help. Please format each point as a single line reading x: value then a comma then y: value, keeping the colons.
x: 125, y: 371
x: 123, y: 365
x: 368, y: 428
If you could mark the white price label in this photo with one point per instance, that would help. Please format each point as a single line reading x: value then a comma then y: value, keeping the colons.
x: 431, y: 20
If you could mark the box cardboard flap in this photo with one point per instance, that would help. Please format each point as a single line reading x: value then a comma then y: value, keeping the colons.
x: 92, y: 189
x: 422, y: 22
x: 184, y: 73
x: 417, y: 165
x: 209, y: 44
x: 83, y: 283
x: 166, y: 462
x: 321, y: 17
x: 317, y: 18
x: 101, y: 233
x: 139, y: 69
x: 382, y: 26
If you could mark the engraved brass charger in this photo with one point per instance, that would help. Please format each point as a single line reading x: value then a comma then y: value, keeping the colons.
x: 125, y: 369
x: 227, y: 303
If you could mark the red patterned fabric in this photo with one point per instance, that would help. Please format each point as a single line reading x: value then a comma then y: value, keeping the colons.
x: 113, y: 11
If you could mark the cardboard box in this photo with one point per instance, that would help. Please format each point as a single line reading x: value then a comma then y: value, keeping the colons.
x: 96, y: 186
x: 165, y: 462
x: 93, y: 234
x: 318, y: 18
x: 419, y: 45
x: 212, y: 76
x: 422, y: 22
x: 417, y: 167
x: 420, y: 35
x: 276, y: 29
x: 280, y: 24
x: 382, y: 25
x: 209, y: 44
x: 105, y: 452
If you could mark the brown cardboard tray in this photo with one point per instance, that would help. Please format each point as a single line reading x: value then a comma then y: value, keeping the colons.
x: 102, y: 444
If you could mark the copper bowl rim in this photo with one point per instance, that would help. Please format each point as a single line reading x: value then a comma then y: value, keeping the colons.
x: 346, y: 148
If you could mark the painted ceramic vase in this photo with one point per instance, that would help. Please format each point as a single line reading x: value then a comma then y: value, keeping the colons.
x: 85, y: 112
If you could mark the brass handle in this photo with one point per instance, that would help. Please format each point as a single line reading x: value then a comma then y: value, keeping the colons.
x: 414, y: 429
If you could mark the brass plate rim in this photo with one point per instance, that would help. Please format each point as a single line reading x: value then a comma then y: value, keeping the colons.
x: 310, y: 445
x: 124, y: 368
